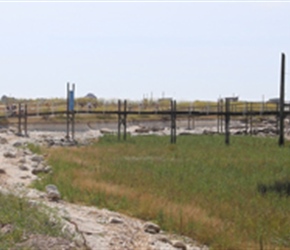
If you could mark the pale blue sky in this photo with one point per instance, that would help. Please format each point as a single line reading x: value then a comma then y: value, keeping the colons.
x: 189, y: 51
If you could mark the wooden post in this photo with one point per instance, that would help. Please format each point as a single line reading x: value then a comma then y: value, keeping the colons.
x: 67, y: 113
x: 174, y: 117
x: 73, y: 116
x: 193, y: 118
x: 251, y: 118
x: 172, y: 122
x: 25, y: 120
x: 277, y: 119
x: 189, y: 119
x: 19, y: 119
x: 218, y: 116
x: 282, y: 96
x: 125, y: 120
x: 227, y: 122
x: 119, y: 120
x: 221, y: 116
x: 247, y: 118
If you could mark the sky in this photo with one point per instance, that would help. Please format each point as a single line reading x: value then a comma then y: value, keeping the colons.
x: 131, y: 50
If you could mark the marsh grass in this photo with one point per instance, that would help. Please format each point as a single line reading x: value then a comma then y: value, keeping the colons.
x: 22, y: 219
x: 199, y: 187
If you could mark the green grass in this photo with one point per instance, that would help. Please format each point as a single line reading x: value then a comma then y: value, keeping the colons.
x: 200, y: 187
x: 24, y: 219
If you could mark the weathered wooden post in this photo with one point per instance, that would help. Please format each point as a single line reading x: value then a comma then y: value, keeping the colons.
x: 70, y: 113
x: 19, y: 119
x: 282, y: 96
x: 227, y: 118
x: 173, y: 121
x: 125, y: 120
x: 227, y: 122
x: 25, y: 120
x: 221, y: 116
x: 119, y: 120
x: 251, y: 118
x: 246, y: 117
x: 174, y: 117
x: 72, y: 110
x: 67, y: 113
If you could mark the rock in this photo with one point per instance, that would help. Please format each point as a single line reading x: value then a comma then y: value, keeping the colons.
x: 142, y: 130
x: 179, y: 245
x: 2, y: 171
x: 3, y: 140
x: 17, y: 144
x: 106, y: 131
x: 9, y: 154
x: 115, y: 220
x: 52, y: 192
x: 151, y: 228
x: 38, y: 169
x: 6, y: 229
x: 37, y: 158
x: 164, y: 239
x: 22, y: 160
x: 23, y: 168
x: 47, y: 169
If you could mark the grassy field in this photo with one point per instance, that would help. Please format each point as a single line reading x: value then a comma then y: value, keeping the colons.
x: 18, y: 219
x: 199, y: 187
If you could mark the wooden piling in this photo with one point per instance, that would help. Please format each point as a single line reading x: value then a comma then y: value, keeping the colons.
x: 282, y: 104
x: 67, y: 113
x: 19, y: 119
x: 119, y: 120
x: 125, y: 120
x: 25, y: 120
x: 227, y: 122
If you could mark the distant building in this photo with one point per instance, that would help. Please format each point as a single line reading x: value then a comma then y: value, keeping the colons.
x: 90, y: 96
x: 274, y: 100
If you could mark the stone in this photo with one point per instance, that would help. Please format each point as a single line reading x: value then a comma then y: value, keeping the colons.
x: 23, y: 168
x: 52, y: 192
x: 114, y: 220
x: 37, y: 158
x: 2, y: 171
x: 106, y: 131
x: 22, y: 160
x: 179, y: 245
x: 47, y: 169
x: 3, y: 140
x: 9, y: 154
x: 40, y: 169
x: 164, y: 239
x: 17, y: 144
x: 151, y: 228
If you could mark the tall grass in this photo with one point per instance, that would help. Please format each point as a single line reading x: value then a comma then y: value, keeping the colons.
x: 22, y: 219
x: 199, y: 187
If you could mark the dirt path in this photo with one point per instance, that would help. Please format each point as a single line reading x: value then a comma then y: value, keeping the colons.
x: 97, y: 229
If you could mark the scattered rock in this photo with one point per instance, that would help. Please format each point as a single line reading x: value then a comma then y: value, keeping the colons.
x: 17, y: 144
x: 52, y: 192
x: 23, y: 168
x: 151, y: 228
x: 164, y: 239
x: 6, y: 229
x: 9, y: 154
x: 179, y: 245
x: 22, y: 160
x: 106, y: 131
x: 114, y: 220
x: 3, y: 140
x: 45, y: 242
x: 37, y: 158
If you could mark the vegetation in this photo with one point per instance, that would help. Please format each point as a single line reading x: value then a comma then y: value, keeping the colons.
x: 19, y: 219
x: 199, y: 187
